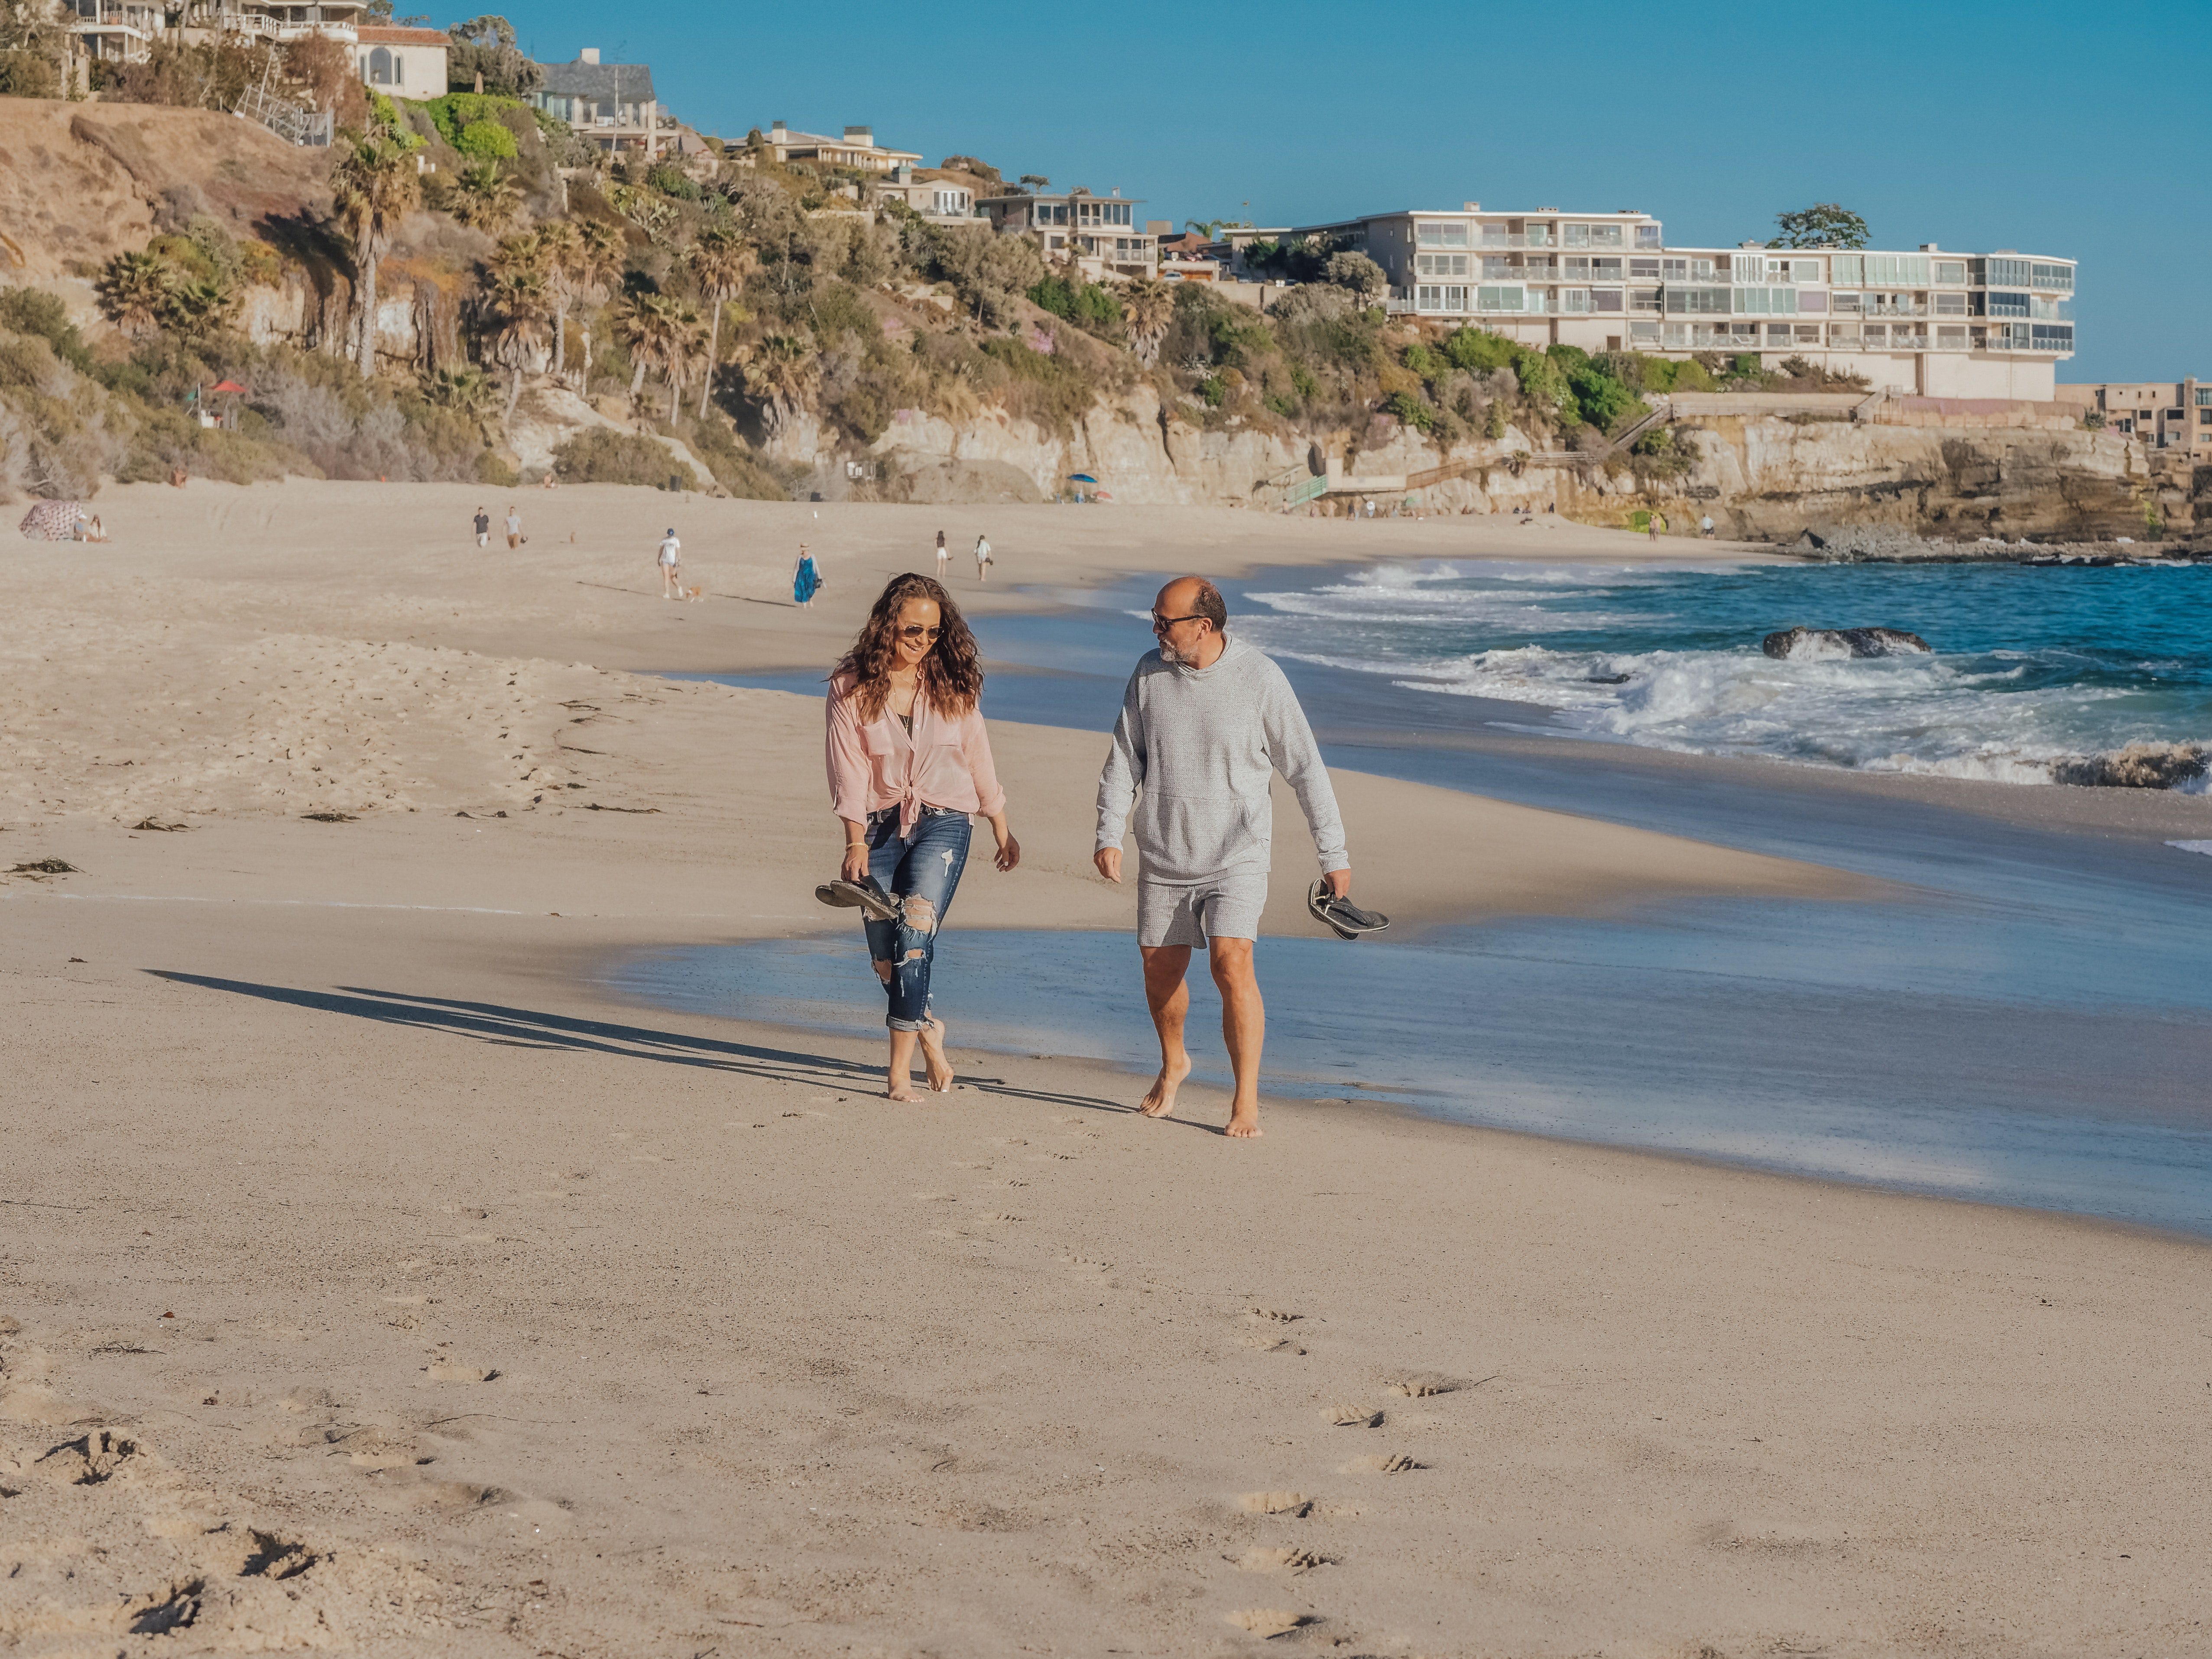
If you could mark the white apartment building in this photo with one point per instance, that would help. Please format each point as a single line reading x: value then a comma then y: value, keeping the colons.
x: 1931, y: 322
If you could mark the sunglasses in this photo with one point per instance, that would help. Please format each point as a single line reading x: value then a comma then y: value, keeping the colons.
x: 1161, y: 624
x: 916, y: 631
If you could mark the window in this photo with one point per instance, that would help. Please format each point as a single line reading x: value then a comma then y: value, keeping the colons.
x: 1765, y: 301
x: 1951, y: 271
x: 1605, y: 236
x: 1950, y: 305
x: 1643, y: 299
x: 1844, y: 334
x: 380, y: 68
x: 2057, y: 276
x: 1804, y: 271
x: 1877, y: 337
x: 1847, y: 305
x: 1896, y: 269
x: 2005, y: 273
x: 1698, y: 301
x: 1687, y: 271
x: 1749, y: 267
x: 1644, y: 271
x: 1497, y: 299
x: 1578, y: 300
x: 1813, y: 300
x: 2052, y: 336
x: 2007, y: 305
x: 1847, y: 270
x: 1647, y: 236
x: 2204, y: 397
x: 1498, y: 265
x: 1432, y: 233
x: 1441, y: 265
x: 1606, y: 299
x: 1779, y: 334
x: 1951, y: 338
x: 1440, y: 297
x: 1575, y: 235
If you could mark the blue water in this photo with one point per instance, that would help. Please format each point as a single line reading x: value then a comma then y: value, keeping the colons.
x: 2030, y: 1024
x: 2028, y: 665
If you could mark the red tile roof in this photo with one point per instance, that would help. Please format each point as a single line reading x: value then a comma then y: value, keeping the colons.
x: 379, y: 34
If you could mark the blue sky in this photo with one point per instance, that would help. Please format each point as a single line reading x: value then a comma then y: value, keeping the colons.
x: 1973, y: 127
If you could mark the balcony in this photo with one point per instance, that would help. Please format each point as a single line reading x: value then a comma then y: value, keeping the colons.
x: 1517, y: 238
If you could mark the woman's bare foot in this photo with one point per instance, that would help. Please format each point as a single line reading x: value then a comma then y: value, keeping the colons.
x: 933, y: 1056
x: 1243, y: 1122
x: 1160, y: 1100
x: 900, y: 1089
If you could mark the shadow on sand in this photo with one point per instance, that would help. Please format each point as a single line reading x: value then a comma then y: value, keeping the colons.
x: 527, y: 1028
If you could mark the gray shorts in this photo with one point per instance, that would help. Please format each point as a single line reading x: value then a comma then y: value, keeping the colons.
x: 1190, y: 913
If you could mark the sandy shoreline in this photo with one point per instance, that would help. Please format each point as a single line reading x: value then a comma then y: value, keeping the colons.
x: 780, y: 1370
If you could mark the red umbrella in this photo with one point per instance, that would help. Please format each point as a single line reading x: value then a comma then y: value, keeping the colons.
x: 226, y: 386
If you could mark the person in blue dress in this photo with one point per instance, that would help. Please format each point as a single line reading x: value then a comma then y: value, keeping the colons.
x: 805, y: 579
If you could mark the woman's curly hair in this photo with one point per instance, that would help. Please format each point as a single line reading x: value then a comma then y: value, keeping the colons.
x: 951, y: 675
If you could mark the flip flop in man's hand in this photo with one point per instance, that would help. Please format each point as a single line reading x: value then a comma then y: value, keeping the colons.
x: 1341, y: 916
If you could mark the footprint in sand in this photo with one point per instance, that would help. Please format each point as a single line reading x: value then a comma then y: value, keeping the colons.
x: 1265, y: 1342
x: 1388, y: 1463
x: 1273, y: 1317
x: 1260, y: 1559
x: 1353, y: 1417
x: 445, y: 1370
x: 1420, y: 1385
x: 1271, y: 1621
x: 91, y: 1460
x: 1295, y: 1504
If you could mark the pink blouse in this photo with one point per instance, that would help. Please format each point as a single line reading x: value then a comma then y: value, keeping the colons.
x: 946, y: 762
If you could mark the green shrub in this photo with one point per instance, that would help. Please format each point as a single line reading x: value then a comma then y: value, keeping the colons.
x: 35, y: 311
x: 487, y: 141
x: 1478, y: 350
x: 1054, y: 294
x: 599, y: 454
x: 1410, y: 410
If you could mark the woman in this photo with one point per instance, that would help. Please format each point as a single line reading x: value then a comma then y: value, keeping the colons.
x: 982, y: 560
x: 908, y: 762
x: 805, y: 579
x: 944, y: 556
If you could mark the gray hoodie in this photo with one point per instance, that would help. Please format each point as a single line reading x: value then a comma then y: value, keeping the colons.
x: 1200, y: 743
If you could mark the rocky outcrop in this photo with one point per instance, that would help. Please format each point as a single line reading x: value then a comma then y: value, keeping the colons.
x: 548, y: 414
x: 2138, y: 766
x: 1835, y: 644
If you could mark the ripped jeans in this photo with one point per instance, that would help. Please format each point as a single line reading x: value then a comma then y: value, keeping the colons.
x: 922, y: 872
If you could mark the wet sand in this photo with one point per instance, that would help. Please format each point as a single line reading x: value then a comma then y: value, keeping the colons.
x: 371, y: 1282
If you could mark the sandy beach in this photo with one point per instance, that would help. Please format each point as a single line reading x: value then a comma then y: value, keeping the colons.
x: 371, y: 1282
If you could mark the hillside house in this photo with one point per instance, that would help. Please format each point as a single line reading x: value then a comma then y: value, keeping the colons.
x: 857, y: 150
x: 940, y: 198
x: 1099, y: 233
x: 402, y: 63
x: 610, y: 105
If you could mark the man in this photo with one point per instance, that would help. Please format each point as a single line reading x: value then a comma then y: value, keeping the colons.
x: 514, y: 526
x: 671, y: 566
x: 1204, y: 720
x: 484, y: 528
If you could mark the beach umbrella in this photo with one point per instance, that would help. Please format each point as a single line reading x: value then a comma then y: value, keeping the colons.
x: 226, y: 386
x: 1081, y: 477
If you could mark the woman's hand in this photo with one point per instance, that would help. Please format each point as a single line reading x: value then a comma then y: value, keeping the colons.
x: 1010, y: 852
x: 855, y: 867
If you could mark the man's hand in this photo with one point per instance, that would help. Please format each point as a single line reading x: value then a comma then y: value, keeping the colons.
x: 1109, y: 860
x: 1339, y: 884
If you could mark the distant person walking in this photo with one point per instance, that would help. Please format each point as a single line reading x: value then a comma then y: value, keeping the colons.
x: 806, y: 577
x: 1204, y: 721
x: 514, y: 526
x: 944, y: 557
x: 671, y: 558
x: 1705, y: 526
x: 909, y: 764
x: 1655, y: 523
x: 982, y: 560
x: 484, y: 528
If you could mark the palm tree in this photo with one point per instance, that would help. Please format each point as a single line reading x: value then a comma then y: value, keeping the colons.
x: 721, y: 260
x: 134, y: 290
x: 484, y: 197
x: 600, y: 248
x: 782, y: 373
x: 202, y: 307
x: 683, y: 350
x: 559, y: 246
x: 375, y: 183
x: 644, y: 326
x: 518, y: 296
x: 1147, y: 307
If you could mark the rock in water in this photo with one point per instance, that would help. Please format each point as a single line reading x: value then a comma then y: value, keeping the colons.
x: 2138, y: 766
x: 1831, y: 644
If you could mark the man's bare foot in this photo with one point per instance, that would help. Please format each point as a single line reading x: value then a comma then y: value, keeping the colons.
x: 1243, y: 1122
x: 1160, y: 1100
x: 933, y: 1056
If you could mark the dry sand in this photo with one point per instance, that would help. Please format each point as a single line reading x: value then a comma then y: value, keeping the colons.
x: 371, y: 1283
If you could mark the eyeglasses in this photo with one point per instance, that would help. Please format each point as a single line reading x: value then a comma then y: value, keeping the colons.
x: 1161, y: 624
x: 915, y: 631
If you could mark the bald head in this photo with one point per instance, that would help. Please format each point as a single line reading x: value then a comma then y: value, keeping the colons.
x: 1193, y: 596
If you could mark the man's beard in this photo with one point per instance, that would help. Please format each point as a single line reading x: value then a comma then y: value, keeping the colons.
x: 1169, y: 654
